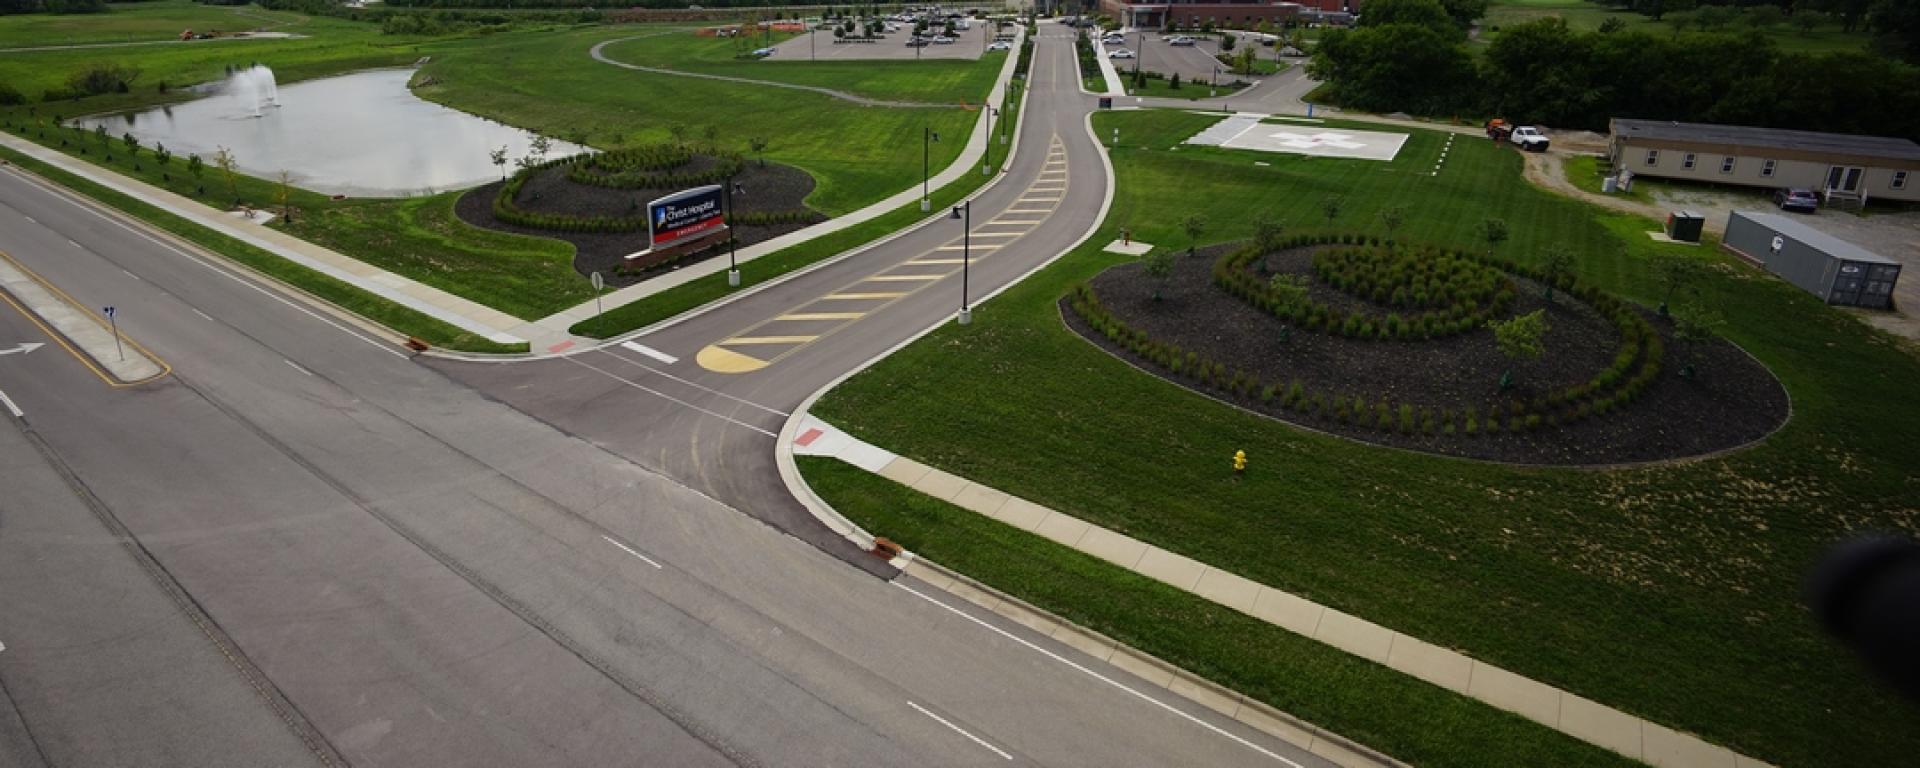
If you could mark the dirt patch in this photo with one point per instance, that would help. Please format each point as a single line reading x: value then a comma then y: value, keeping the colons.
x: 771, y: 187
x: 1731, y: 402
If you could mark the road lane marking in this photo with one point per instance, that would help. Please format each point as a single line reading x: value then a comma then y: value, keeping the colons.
x: 1014, y: 222
x: 629, y: 550
x: 859, y: 296
x: 759, y: 340
x: 931, y: 262
x: 203, y: 315
x: 30, y: 219
x: 11, y: 408
x: 670, y: 398
x: 694, y: 384
x: 826, y: 315
x: 901, y: 278
x: 975, y: 246
x: 296, y: 366
x: 650, y: 352
x: 130, y: 274
x: 1097, y: 676
x: 959, y: 730
x: 715, y: 358
x: 74, y: 244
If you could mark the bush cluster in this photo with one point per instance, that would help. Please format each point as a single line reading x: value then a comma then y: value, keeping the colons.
x: 507, y: 209
x: 1635, y: 367
x: 649, y: 168
x: 1445, y: 293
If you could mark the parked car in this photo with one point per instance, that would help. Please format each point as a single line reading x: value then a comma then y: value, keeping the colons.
x: 916, y: 42
x: 1000, y: 46
x: 942, y: 40
x: 1182, y: 40
x: 1797, y: 199
x: 1529, y: 138
x: 1120, y: 53
x: 761, y: 53
x: 1114, y: 40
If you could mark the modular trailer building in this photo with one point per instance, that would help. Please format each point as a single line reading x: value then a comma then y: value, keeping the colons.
x: 1841, y: 168
x: 1837, y: 271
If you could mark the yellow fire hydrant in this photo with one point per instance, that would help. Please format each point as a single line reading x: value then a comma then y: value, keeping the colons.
x: 1239, y: 463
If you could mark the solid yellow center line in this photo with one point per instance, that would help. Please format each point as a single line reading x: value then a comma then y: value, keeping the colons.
x: 823, y: 315
x: 859, y: 296
x: 768, y: 340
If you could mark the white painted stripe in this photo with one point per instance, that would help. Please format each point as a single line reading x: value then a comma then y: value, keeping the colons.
x: 629, y: 550
x: 14, y: 409
x: 296, y: 366
x: 30, y: 219
x: 959, y: 730
x: 132, y: 275
x: 74, y: 244
x: 203, y: 315
x: 1102, y: 678
x: 695, y: 385
x: 668, y: 398
x: 650, y: 352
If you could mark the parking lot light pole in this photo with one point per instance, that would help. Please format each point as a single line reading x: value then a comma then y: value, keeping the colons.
x: 927, y: 138
x: 733, y: 240
x: 964, y: 212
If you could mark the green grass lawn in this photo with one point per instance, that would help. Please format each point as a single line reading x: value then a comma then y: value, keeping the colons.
x: 1408, y: 719
x: 1187, y: 90
x: 135, y: 22
x: 1587, y: 16
x: 943, y: 81
x: 547, y: 82
x: 1669, y: 592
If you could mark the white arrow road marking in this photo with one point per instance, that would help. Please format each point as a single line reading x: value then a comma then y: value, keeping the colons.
x: 23, y: 348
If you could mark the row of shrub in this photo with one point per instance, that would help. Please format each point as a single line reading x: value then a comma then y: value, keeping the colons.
x: 1634, y: 368
x: 1473, y: 298
x: 507, y: 209
x: 727, y: 167
x: 1405, y: 278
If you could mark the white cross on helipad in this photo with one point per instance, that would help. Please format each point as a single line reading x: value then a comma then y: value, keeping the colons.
x: 1293, y: 140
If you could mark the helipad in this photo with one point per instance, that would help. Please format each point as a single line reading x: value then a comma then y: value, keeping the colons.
x: 1241, y: 132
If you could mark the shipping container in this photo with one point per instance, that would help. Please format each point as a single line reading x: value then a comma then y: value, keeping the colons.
x: 1835, y: 270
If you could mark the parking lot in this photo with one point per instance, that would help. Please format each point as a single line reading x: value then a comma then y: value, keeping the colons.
x: 1194, y: 63
x: 821, y: 45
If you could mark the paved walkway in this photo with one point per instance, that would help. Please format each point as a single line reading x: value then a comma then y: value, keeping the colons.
x: 556, y: 325
x: 469, y: 316
x: 1570, y: 714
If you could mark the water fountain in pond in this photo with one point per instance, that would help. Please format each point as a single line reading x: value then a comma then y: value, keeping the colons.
x: 256, y: 89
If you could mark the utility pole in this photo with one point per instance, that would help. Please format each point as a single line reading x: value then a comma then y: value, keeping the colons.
x: 927, y: 137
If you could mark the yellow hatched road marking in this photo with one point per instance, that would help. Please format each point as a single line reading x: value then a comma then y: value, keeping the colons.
x: 859, y: 296
x: 900, y: 278
x: 1029, y: 210
x: 1004, y: 222
x: 740, y: 340
x: 822, y: 315
x: 976, y: 246
x: 997, y: 234
x: 937, y: 261
x: 718, y: 360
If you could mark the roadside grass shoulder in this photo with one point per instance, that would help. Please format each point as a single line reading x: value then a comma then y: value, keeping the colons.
x: 1191, y: 91
x: 1668, y: 591
x: 1410, y: 720
x: 378, y: 310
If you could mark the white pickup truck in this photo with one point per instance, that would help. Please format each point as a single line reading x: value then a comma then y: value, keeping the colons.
x: 1529, y: 138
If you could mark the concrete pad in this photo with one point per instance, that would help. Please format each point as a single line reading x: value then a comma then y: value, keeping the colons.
x: 1135, y: 248
x: 1141, y: 668
x: 1528, y: 698
x: 1065, y: 529
x: 1083, y: 642
x: 904, y: 471
x: 972, y: 594
x: 929, y: 575
x: 1355, y: 635
x: 1257, y: 716
x: 1318, y: 142
x: 941, y: 485
x: 1602, y: 725
x: 1431, y: 663
x: 981, y: 499
x: 1667, y: 748
x: 1205, y: 695
x: 1288, y: 611
x: 1022, y: 514
x: 1178, y: 570
x: 1112, y: 547
x: 1227, y: 589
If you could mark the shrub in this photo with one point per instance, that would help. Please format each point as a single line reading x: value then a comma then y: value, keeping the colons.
x: 1266, y: 394
x: 1383, y: 417
x: 1473, y: 425
x: 1406, y: 419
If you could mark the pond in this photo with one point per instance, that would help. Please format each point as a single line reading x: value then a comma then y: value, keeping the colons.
x: 363, y: 134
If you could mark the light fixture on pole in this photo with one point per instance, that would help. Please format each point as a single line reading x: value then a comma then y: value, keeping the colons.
x: 733, y: 240
x: 927, y: 137
x: 964, y: 212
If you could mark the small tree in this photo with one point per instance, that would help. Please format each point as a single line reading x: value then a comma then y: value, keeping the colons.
x: 1495, y: 231
x: 1195, y: 225
x: 1289, y: 290
x: 196, y: 168
x: 100, y: 134
x: 283, y: 196
x: 162, y: 154
x: 1675, y: 272
x: 1556, y: 263
x: 1226, y: 43
x: 499, y: 158
x: 133, y: 144
x: 1330, y: 207
x: 1693, y: 325
x: 1392, y: 218
x: 1174, y: 82
x: 229, y: 169
x: 1266, y: 237
x: 759, y: 146
x: 1519, y: 338
x: 539, y: 147
x: 1158, y: 264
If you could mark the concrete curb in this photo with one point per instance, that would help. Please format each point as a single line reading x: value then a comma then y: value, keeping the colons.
x: 1226, y: 701
x: 78, y: 329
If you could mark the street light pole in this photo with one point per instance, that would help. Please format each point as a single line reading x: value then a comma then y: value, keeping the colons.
x: 927, y: 137
x: 733, y: 239
x: 986, y: 165
x: 964, y: 212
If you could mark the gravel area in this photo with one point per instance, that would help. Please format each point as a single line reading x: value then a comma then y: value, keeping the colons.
x: 771, y: 187
x: 1733, y: 401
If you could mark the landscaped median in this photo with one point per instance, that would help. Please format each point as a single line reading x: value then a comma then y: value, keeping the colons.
x: 1670, y: 591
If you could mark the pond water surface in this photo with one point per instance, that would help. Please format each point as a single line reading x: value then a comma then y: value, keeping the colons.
x: 363, y: 134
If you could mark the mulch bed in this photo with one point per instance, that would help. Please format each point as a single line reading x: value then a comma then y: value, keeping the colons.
x: 1732, y: 401
x: 770, y: 187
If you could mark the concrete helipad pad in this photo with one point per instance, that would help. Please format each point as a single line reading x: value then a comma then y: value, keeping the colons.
x: 1317, y: 141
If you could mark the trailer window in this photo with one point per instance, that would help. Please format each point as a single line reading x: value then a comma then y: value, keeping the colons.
x: 1899, y: 179
x: 1687, y: 161
x: 1766, y: 169
x: 1726, y: 164
x: 1653, y: 157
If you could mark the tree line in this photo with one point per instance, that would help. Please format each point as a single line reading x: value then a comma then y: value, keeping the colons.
x: 1413, y: 56
x: 8, y: 7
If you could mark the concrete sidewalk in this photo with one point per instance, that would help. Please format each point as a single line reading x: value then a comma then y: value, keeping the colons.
x: 557, y: 324
x: 1580, y: 718
x: 466, y: 315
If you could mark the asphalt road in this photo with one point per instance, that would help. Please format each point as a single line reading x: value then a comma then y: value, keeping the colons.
x: 303, y: 547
